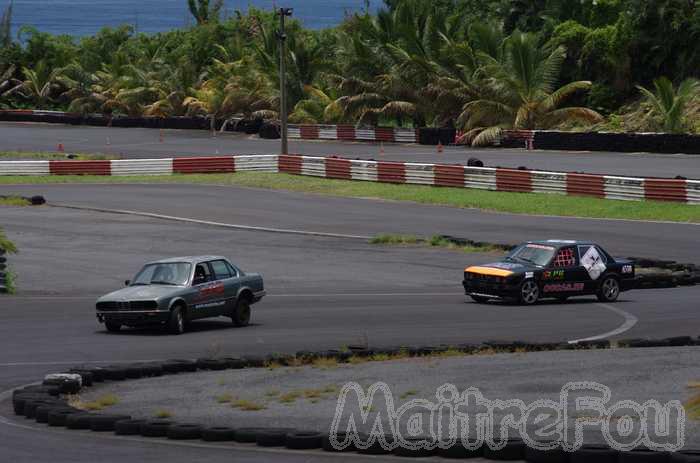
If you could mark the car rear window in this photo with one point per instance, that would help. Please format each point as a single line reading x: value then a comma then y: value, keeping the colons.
x: 221, y: 270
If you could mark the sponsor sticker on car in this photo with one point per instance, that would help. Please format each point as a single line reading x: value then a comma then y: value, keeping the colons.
x: 593, y: 263
x: 563, y: 287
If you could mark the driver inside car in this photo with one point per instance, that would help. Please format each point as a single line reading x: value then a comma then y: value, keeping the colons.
x: 200, y: 275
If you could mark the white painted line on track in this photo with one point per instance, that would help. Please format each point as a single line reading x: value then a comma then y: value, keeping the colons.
x: 214, y: 224
x: 630, y: 321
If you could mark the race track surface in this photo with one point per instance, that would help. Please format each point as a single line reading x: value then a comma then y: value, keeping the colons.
x: 145, y: 143
x: 324, y: 292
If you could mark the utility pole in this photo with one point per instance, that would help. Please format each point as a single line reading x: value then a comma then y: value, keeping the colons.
x: 282, y: 36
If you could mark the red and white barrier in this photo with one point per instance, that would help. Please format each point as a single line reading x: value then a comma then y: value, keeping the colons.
x: 351, y: 133
x: 485, y: 178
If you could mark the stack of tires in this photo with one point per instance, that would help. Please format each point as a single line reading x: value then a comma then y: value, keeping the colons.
x: 3, y: 271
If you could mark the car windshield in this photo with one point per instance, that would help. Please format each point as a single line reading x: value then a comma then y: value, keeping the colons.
x: 536, y: 254
x: 175, y: 274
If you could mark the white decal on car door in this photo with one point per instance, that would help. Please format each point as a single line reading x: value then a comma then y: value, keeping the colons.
x: 593, y: 263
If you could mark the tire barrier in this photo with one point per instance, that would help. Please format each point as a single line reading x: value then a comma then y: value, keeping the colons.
x: 44, y: 404
x: 528, y: 139
x: 458, y: 176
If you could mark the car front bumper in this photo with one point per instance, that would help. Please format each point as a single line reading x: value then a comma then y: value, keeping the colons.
x: 135, y: 317
x: 487, y: 289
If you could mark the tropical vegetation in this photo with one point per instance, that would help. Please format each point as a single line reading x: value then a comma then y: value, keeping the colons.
x: 480, y: 66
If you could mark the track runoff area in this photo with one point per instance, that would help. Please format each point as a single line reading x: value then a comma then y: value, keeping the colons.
x: 324, y: 291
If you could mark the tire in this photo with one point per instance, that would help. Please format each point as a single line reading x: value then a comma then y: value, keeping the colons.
x: 248, y: 435
x: 417, y: 453
x: 128, y: 427
x: 304, y: 440
x: 597, y: 454
x: 58, y: 417
x: 156, y: 428
x: 609, y: 289
x: 271, y: 438
x: 241, y: 313
x: 113, y: 327
x: 480, y: 299
x: 546, y: 456
x: 459, y: 451
x: 219, y: 434
x: 176, y: 323
x: 102, y: 423
x: 115, y: 373
x: 514, y: 450
x: 328, y: 446
x: 529, y: 292
x: 184, y: 432
x: 41, y: 415
x: 79, y: 421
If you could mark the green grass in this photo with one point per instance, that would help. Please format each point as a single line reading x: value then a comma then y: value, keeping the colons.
x: 395, y: 239
x: 13, y: 201
x: 520, y: 203
x: 6, y: 244
x: 52, y: 156
x: 10, y: 282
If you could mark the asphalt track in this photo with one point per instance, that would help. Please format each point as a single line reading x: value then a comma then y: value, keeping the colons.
x: 324, y: 292
x: 145, y: 143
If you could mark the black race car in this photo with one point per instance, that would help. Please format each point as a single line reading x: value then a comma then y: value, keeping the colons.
x: 550, y: 269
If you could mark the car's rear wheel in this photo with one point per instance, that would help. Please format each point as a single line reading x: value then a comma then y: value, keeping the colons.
x: 480, y: 299
x: 113, y: 327
x: 241, y: 313
x: 176, y: 323
x: 529, y: 292
x: 609, y: 289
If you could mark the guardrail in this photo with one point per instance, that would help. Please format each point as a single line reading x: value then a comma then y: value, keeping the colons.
x: 485, y: 178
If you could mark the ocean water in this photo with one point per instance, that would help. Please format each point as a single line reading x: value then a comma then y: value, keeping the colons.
x: 85, y: 17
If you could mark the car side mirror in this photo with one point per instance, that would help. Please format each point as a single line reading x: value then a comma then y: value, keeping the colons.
x: 127, y: 282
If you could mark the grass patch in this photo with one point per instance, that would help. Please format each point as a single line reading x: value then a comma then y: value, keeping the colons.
x: 13, y: 201
x: 53, y: 156
x: 224, y: 398
x: 162, y: 414
x: 409, y: 393
x: 521, y: 203
x: 100, y: 403
x: 289, y: 397
x: 247, y: 405
x: 692, y: 406
x: 11, y: 282
x: 325, y: 363
x: 395, y: 239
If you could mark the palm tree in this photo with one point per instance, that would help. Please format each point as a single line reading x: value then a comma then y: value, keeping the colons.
x: 8, y: 83
x: 521, y: 93
x: 39, y: 83
x: 203, y: 12
x: 318, y: 106
x: 669, y: 103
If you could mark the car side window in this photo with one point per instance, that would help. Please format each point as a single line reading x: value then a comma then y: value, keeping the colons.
x: 202, y: 274
x: 565, y: 258
x: 221, y: 270
x: 234, y: 271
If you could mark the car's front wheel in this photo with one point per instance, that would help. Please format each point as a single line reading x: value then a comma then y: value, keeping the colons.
x: 529, y: 292
x: 241, y: 313
x: 609, y: 289
x: 176, y: 323
x: 113, y: 327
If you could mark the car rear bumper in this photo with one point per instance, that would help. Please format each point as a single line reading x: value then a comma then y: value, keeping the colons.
x: 136, y: 317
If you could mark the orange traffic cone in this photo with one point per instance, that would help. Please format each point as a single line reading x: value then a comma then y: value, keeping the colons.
x: 61, y: 149
x: 440, y: 148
